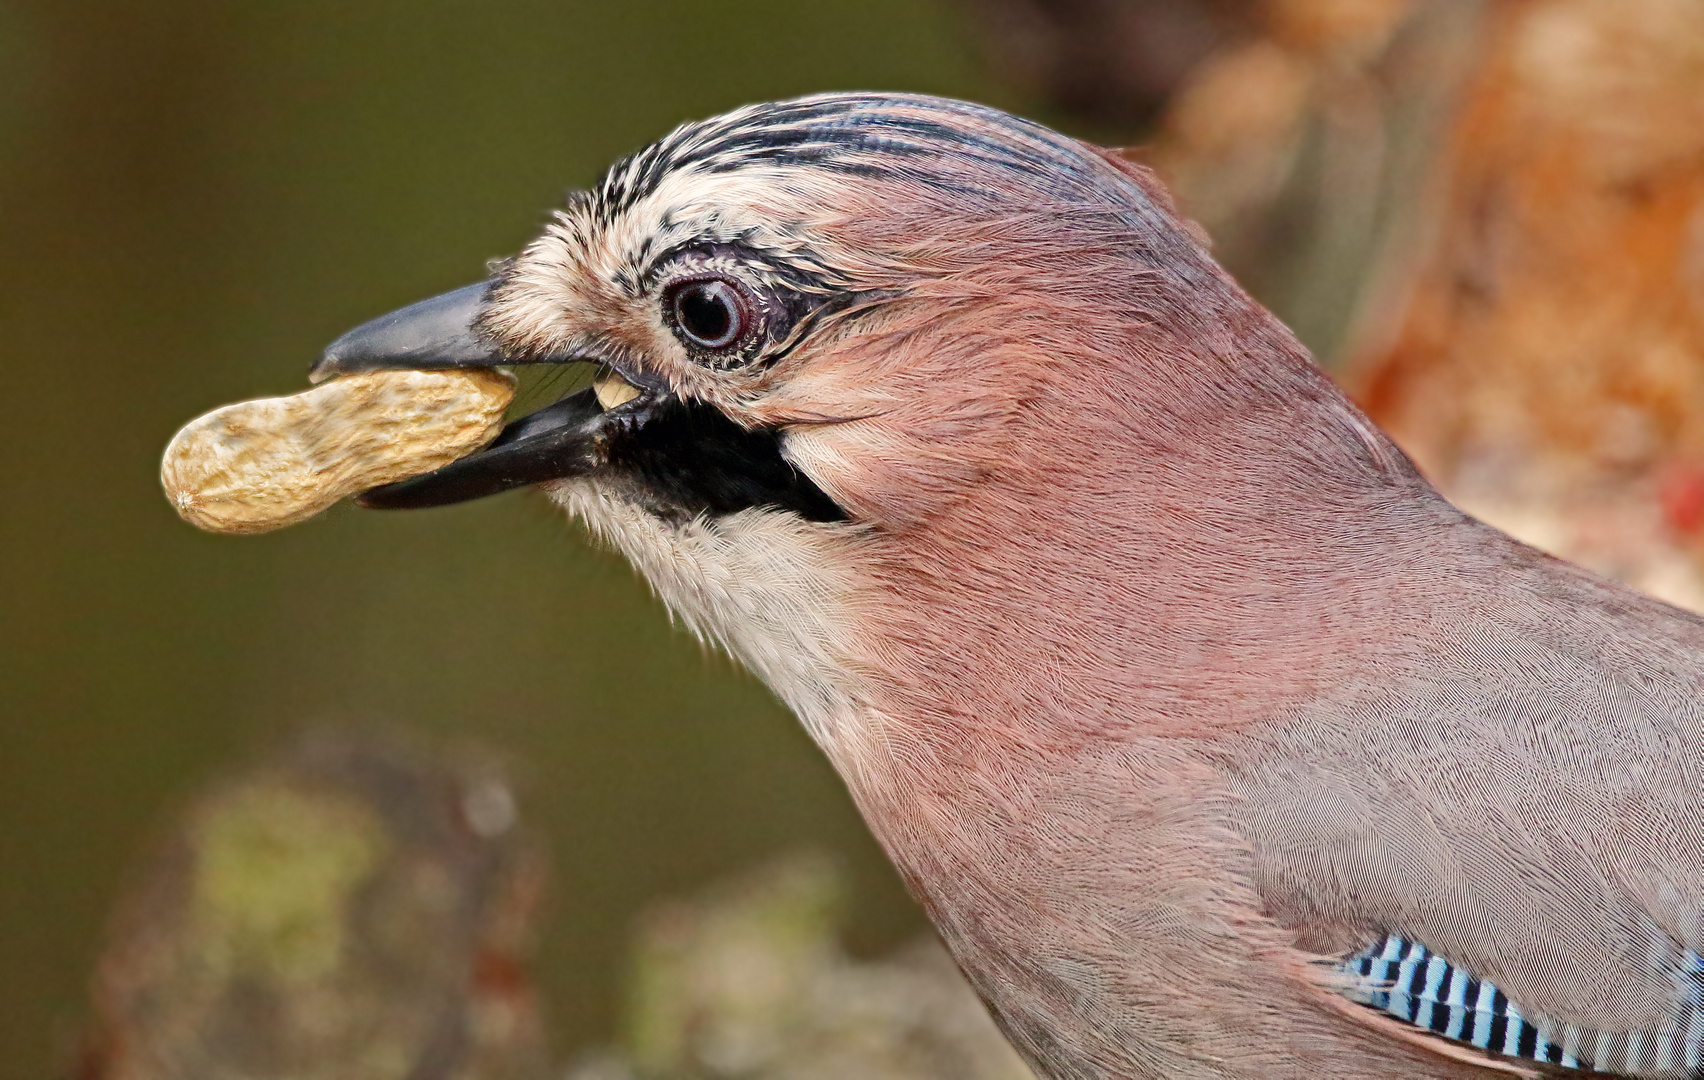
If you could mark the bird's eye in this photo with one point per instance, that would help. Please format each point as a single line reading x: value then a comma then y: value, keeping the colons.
x: 710, y: 313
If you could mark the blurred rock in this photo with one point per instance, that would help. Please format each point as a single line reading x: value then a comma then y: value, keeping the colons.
x: 749, y: 980
x: 353, y: 909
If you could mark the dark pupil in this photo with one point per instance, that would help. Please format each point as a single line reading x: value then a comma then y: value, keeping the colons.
x: 706, y: 312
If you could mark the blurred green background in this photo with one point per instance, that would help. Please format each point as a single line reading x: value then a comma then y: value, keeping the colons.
x: 194, y: 197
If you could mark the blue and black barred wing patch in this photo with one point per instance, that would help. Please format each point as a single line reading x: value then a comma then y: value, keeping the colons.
x: 1410, y: 982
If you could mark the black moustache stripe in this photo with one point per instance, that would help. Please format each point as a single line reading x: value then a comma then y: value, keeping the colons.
x: 689, y: 460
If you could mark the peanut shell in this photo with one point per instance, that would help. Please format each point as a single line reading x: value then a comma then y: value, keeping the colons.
x: 261, y: 465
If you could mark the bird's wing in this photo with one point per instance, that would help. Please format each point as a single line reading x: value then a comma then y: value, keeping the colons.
x: 1502, y: 834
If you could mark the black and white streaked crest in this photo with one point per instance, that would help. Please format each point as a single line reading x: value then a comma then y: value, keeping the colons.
x: 774, y: 195
x: 871, y: 135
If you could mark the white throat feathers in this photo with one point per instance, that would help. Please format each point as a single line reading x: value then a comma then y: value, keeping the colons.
x: 759, y: 583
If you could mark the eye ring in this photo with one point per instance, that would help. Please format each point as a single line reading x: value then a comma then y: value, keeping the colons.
x: 711, y: 314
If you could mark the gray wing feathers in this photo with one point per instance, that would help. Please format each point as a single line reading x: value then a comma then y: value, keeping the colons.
x: 1519, y: 791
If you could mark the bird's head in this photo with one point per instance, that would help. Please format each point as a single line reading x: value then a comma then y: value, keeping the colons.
x: 829, y: 305
x: 866, y: 316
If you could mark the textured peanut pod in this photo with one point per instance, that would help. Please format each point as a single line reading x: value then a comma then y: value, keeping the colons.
x: 261, y: 465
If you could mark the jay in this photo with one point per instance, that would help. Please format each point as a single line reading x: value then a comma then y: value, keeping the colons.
x: 1212, y: 739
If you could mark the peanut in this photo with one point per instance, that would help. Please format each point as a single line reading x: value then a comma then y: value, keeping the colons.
x: 261, y: 465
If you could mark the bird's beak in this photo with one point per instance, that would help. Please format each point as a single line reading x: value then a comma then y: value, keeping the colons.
x: 425, y: 336
x: 566, y: 439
